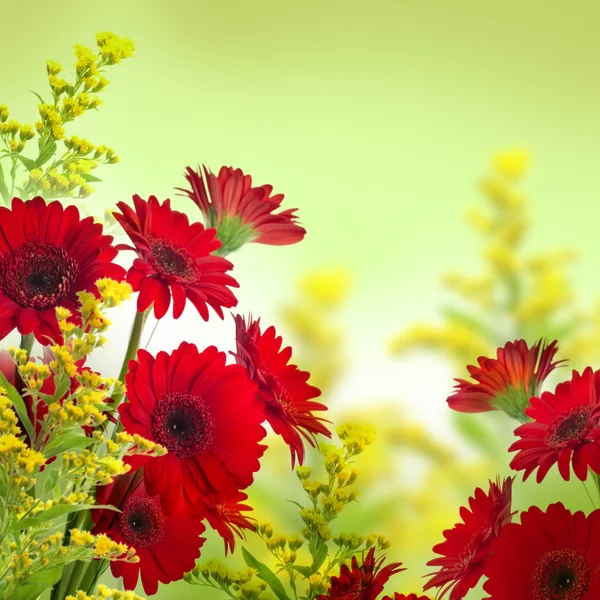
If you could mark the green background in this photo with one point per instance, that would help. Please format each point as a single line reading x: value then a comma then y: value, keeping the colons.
x: 374, y: 119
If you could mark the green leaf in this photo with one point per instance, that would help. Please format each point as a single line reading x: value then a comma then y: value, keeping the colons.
x: 68, y: 441
x: 36, y: 585
x: 320, y: 557
x: 38, y: 97
x: 266, y: 575
x: 27, y: 162
x: 46, y: 154
x: 57, y: 511
x: 3, y: 189
x: 62, y: 387
x: 19, y: 405
x: 90, y: 178
x: 306, y: 571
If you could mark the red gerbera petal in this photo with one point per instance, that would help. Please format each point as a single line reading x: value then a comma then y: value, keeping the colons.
x: 174, y: 260
x: 398, y: 596
x: 242, y: 213
x: 207, y: 415
x: 361, y: 582
x: 226, y: 518
x: 550, y: 555
x: 167, y: 545
x: 468, y: 543
x: 506, y: 382
x: 47, y: 255
x: 282, y: 386
x: 565, y: 429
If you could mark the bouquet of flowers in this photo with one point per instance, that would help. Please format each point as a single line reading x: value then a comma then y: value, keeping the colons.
x: 133, y: 473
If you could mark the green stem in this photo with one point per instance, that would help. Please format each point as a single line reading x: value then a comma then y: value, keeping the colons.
x: 132, y: 348
x: 27, y: 342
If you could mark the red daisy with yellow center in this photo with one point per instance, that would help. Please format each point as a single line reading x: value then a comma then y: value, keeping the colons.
x: 467, y: 544
x: 506, y: 382
x: 175, y: 260
x: 283, y: 387
x: 565, y: 429
x: 551, y: 555
x: 47, y: 255
x: 205, y: 413
x: 167, y: 545
x: 240, y: 212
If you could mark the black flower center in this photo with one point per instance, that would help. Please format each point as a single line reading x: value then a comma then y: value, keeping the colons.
x: 141, y: 523
x: 571, y: 427
x: 170, y: 260
x: 37, y: 275
x: 560, y: 575
x: 183, y: 424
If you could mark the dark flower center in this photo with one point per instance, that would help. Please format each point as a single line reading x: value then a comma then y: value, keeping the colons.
x: 37, y: 275
x: 183, y: 424
x: 560, y: 575
x: 141, y: 523
x: 571, y: 427
x: 170, y: 260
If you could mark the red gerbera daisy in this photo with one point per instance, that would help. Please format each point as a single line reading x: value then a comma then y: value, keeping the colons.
x: 398, y: 596
x: 207, y: 415
x: 552, y: 555
x: 242, y: 213
x: 565, y: 429
x: 47, y: 255
x: 282, y: 386
x: 506, y: 382
x: 167, y: 545
x: 468, y: 543
x: 361, y: 582
x: 174, y: 260
x: 226, y: 518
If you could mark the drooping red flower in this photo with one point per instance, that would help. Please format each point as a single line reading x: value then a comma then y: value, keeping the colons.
x: 506, y: 382
x: 468, y: 543
x: 565, y: 429
x: 226, y: 518
x: 398, y: 596
x: 282, y: 386
x: 205, y: 413
x: 47, y: 255
x: 242, y: 213
x: 174, y: 260
x: 361, y: 582
x: 167, y: 545
x: 551, y: 555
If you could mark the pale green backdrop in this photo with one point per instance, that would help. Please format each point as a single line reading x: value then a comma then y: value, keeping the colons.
x: 374, y: 118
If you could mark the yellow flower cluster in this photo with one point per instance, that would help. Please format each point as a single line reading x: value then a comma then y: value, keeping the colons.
x: 105, y: 593
x: 51, y: 173
x: 244, y: 584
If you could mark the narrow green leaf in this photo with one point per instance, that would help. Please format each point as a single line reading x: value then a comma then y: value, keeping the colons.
x: 27, y: 162
x: 19, y: 405
x: 320, y: 557
x: 38, y: 97
x: 69, y: 441
x: 266, y: 575
x: 36, y: 585
x: 46, y: 154
x: 90, y: 178
x: 306, y: 571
